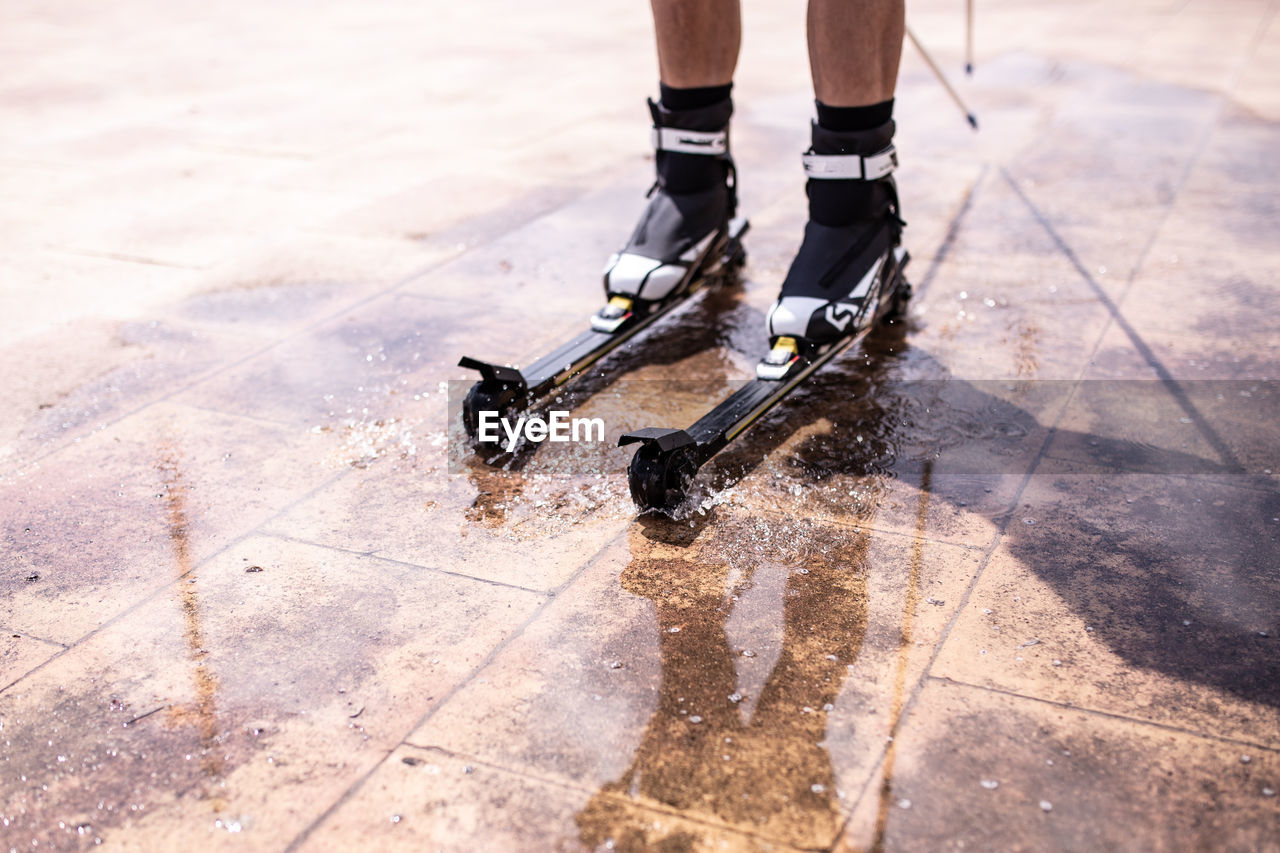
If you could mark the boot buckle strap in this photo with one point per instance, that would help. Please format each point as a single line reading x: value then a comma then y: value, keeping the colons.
x: 715, y: 144
x: 850, y: 167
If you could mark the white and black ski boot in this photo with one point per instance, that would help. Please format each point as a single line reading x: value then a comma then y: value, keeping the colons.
x: 687, y: 227
x: 836, y: 280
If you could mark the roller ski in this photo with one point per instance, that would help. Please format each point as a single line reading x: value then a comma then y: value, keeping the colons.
x: 687, y: 239
x: 847, y: 277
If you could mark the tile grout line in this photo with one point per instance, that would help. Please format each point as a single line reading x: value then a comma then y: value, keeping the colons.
x: 272, y: 422
x: 1098, y: 712
x: 1116, y: 317
x: 566, y: 785
x: 373, y: 555
x: 550, y: 597
x: 1135, y: 339
x: 15, y: 633
x: 880, y: 531
x: 160, y: 588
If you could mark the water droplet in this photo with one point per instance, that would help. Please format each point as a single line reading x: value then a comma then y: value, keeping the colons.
x: 990, y: 784
x: 1028, y: 521
x: 1244, y: 759
x: 695, y: 719
x: 674, y: 629
x: 1045, y: 805
x: 904, y: 804
x: 747, y: 653
x: 395, y: 818
x: 1268, y: 792
x: 817, y: 788
x: 735, y: 698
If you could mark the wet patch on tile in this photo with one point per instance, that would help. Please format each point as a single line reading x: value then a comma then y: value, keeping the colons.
x: 430, y: 797
x: 714, y: 668
x: 852, y: 445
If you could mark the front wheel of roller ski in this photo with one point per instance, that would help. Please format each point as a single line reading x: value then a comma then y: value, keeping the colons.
x: 501, y: 392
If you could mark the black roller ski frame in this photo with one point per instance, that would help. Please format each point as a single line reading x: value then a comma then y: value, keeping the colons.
x: 665, y: 464
x: 509, y: 391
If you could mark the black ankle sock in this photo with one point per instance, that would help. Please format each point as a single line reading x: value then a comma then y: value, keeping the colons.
x: 693, y: 98
x: 845, y: 119
x: 684, y: 173
x: 838, y: 203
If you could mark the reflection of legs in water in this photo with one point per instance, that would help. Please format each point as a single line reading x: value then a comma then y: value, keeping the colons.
x: 698, y: 755
x: 825, y: 620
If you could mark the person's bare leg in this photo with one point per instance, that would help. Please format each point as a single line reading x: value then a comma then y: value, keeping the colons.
x: 685, y: 226
x: 848, y: 252
x: 854, y: 49
x: 698, y: 41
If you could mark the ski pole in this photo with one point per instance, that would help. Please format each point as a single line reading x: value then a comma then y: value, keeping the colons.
x: 942, y: 78
x: 968, y: 37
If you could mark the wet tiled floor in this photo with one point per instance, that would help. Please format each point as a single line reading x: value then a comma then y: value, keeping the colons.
x: 1006, y: 578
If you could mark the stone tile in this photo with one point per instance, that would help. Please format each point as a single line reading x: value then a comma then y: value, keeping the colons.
x: 553, y: 263
x: 62, y: 391
x: 60, y: 287
x: 429, y: 797
x: 779, y: 646
x: 1234, y: 155
x: 531, y: 530
x: 197, y: 233
x: 230, y: 709
x: 368, y: 364
x: 1060, y: 779
x: 110, y: 519
x: 19, y: 654
x: 1142, y: 595
x: 1223, y: 428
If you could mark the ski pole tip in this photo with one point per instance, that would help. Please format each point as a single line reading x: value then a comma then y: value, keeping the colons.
x: 968, y: 68
x: 973, y: 120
